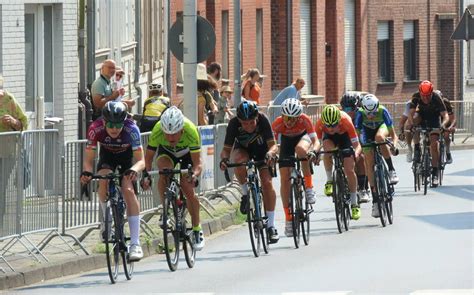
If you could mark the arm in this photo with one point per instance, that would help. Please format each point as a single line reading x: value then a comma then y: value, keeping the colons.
x: 247, y: 89
x: 445, y: 119
x: 100, y: 100
x: 401, y: 124
x: 197, y: 165
x: 150, y: 153
x: 452, y: 119
x: 88, y: 165
x: 201, y: 108
x: 139, y: 160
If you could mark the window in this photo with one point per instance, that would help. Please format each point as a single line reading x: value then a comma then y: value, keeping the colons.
x: 129, y: 22
x: 151, y: 34
x: 157, y: 32
x: 384, y: 51
x: 409, y: 50
x: 225, y: 44
x: 102, y: 22
x: 259, y: 39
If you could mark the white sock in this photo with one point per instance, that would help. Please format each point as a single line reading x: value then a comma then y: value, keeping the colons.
x: 271, y: 218
x: 245, y: 189
x: 134, y: 224
x: 329, y: 175
x: 353, y: 198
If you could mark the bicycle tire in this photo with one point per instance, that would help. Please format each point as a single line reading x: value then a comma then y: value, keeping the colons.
x: 389, y: 197
x: 305, y: 222
x: 381, y: 191
x: 441, y: 162
x: 414, y: 168
x: 170, y: 229
x: 112, y: 247
x: 426, y: 172
x: 346, y: 205
x: 188, y: 247
x: 295, y: 219
x: 337, y: 199
x: 263, y: 230
x: 252, y: 221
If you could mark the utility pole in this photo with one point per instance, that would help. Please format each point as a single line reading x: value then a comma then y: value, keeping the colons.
x: 190, y: 56
x: 237, y: 53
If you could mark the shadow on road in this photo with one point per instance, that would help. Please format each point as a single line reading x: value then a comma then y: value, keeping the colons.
x: 450, y: 221
x: 461, y: 191
x: 467, y: 172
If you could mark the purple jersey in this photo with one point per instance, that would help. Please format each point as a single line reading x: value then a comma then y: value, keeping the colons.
x: 128, y: 138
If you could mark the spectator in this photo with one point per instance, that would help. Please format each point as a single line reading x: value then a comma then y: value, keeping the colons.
x: 101, y: 89
x: 154, y: 106
x: 250, y: 87
x: 224, y: 114
x: 117, y: 83
x: 292, y: 91
x: 214, y: 71
x: 12, y: 118
x: 205, y: 86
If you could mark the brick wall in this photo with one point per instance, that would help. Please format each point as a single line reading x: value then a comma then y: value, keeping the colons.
x: 335, y: 67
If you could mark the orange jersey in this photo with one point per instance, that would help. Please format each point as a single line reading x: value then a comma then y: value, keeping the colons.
x: 302, y: 124
x: 344, y: 126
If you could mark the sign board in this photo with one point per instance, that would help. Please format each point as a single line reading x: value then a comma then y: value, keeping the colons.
x: 465, y: 29
x: 206, y: 39
x: 207, y: 157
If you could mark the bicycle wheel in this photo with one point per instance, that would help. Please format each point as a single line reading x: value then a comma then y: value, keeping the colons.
x: 295, y: 212
x: 426, y: 172
x: 416, y: 176
x: 188, y: 248
x: 112, y: 247
x: 338, y: 202
x: 305, y: 222
x: 122, y: 239
x: 389, y: 199
x: 441, y: 162
x: 381, y: 191
x: 346, y: 205
x: 170, y: 231
x: 263, y: 230
x: 255, y: 224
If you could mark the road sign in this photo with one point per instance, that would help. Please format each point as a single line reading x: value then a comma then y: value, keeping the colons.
x: 465, y: 28
x: 206, y: 39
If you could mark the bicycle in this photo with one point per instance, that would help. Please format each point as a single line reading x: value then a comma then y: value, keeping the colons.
x: 442, y: 157
x: 340, y: 189
x: 300, y: 210
x: 116, y: 242
x: 175, y: 229
x: 422, y: 169
x: 384, y: 190
x: 256, y: 219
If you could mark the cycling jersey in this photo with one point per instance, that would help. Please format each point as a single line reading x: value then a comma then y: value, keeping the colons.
x: 433, y: 109
x: 236, y: 134
x: 190, y: 141
x: 303, y: 124
x: 449, y: 107
x: 345, y: 126
x: 128, y: 139
x: 382, y: 116
x: 155, y: 105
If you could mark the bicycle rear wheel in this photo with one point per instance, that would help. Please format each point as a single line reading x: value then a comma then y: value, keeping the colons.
x: 112, y: 247
x: 416, y: 176
x: 188, y: 248
x: 441, y: 162
x: 338, y: 199
x: 295, y: 209
x: 170, y: 232
x: 389, y: 199
x: 381, y: 194
x: 426, y: 172
x: 255, y: 224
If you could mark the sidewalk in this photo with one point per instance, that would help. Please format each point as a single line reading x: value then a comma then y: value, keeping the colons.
x: 223, y: 207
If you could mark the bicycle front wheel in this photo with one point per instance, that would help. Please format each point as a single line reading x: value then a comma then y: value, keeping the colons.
x: 305, y: 222
x: 338, y: 198
x: 170, y: 232
x: 381, y: 194
x: 112, y: 247
x: 442, y: 162
x: 255, y: 224
x: 426, y: 171
x: 389, y: 199
x: 188, y: 247
x: 295, y: 208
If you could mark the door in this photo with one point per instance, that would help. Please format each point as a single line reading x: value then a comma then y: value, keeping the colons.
x: 305, y: 45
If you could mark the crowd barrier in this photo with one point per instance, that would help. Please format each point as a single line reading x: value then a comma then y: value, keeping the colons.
x: 40, y: 190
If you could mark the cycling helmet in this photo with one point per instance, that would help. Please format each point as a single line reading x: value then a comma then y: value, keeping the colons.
x: 370, y: 103
x: 331, y: 115
x: 247, y: 110
x: 115, y: 112
x: 349, y: 101
x: 291, y: 107
x: 426, y: 88
x: 172, y: 120
x: 155, y: 86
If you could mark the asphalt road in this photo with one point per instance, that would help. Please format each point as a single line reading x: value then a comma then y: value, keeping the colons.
x: 428, y: 250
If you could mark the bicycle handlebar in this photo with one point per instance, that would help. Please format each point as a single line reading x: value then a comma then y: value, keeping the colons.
x: 250, y: 163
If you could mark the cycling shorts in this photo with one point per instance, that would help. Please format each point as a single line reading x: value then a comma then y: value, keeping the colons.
x: 255, y: 151
x: 288, y: 145
x: 341, y: 141
x: 185, y: 160
x: 368, y: 135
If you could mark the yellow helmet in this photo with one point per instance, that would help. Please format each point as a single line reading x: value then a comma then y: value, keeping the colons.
x: 331, y: 115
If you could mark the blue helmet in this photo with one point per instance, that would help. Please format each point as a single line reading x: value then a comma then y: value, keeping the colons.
x: 115, y: 112
x: 247, y: 110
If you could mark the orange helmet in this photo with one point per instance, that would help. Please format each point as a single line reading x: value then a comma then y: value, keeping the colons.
x: 425, y: 88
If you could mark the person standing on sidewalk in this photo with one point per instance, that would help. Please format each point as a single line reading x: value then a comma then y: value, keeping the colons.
x: 250, y: 86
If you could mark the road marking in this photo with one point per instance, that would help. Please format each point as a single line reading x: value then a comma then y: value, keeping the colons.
x: 318, y: 293
x: 444, y: 292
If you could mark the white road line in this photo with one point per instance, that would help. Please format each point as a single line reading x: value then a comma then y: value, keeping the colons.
x: 444, y: 292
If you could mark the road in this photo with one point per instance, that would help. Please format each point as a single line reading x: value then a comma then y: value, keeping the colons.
x: 429, y: 247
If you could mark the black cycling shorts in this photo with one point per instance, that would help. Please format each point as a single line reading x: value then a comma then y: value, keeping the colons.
x: 108, y: 160
x: 341, y: 141
x: 287, y: 148
x: 255, y: 151
x: 185, y: 160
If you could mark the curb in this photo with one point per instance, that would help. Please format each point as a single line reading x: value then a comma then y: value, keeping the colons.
x: 81, y: 264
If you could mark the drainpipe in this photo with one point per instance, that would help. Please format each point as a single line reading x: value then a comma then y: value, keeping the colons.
x: 136, y: 78
x: 90, y: 42
x: 81, y: 45
x: 237, y: 54
x: 168, y: 54
x: 429, y: 38
x: 289, y: 40
x: 461, y: 56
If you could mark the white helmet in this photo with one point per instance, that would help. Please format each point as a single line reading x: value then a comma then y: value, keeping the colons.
x: 291, y: 107
x: 172, y: 120
x: 370, y: 103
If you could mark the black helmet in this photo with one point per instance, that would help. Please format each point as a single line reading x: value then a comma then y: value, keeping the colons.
x: 349, y: 101
x: 247, y: 110
x: 115, y: 112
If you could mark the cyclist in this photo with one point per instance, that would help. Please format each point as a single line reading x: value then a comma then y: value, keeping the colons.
x: 350, y: 103
x: 250, y: 136
x: 297, y: 135
x: 451, y: 127
x: 335, y: 129
x: 426, y: 109
x: 374, y: 123
x: 177, y: 140
x: 120, y: 145
x: 406, y: 134
x: 153, y: 107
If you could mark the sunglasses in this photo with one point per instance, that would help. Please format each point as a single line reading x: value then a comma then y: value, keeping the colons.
x: 331, y: 126
x: 118, y: 76
x: 114, y: 125
x: 289, y: 119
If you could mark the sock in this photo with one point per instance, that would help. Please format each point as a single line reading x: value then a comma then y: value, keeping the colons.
x: 354, y: 199
x: 197, y: 228
x: 134, y: 225
x: 417, y: 147
x: 245, y: 190
x: 308, y: 181
x: 361, y: 181
x: 329, y: 175
x: 288, y: 216
x: 366, y: 182
x: 434, y: 171
x: 271, y: 218
x: 389, y: 163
